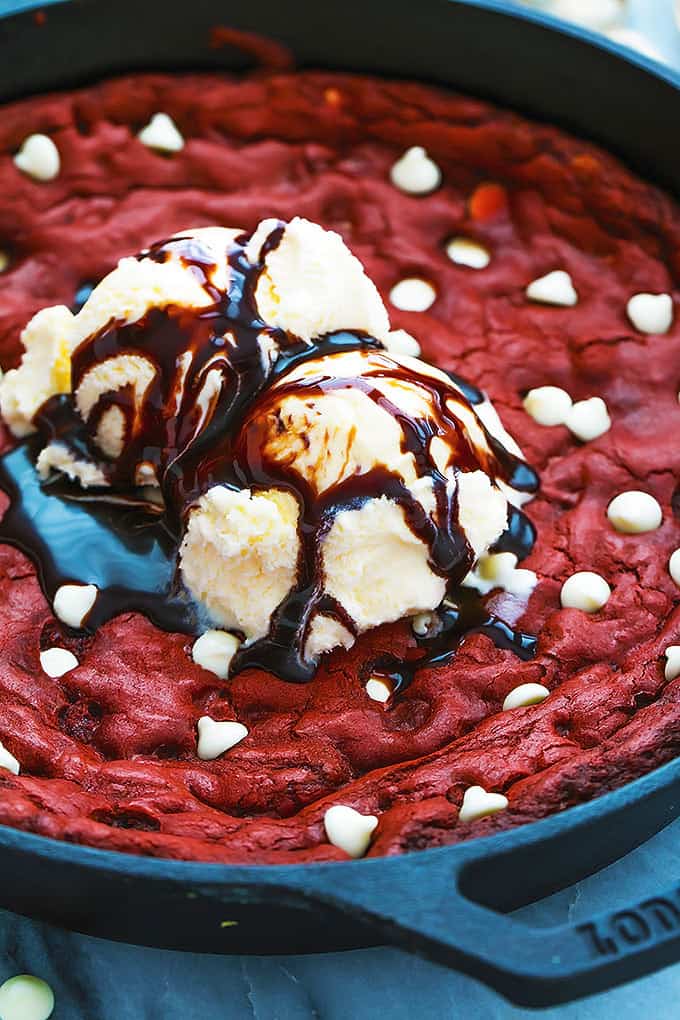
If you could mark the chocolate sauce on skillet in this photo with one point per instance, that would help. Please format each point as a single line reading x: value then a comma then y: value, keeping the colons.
x: 129, y: 547
x: 462, y: 613
x: 122, y: 548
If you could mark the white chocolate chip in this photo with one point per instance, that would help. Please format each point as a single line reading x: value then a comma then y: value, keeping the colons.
x: 672, y: 670
x: 4, y: 261
x: 465, y: 252
x: 555, y: 288
x: 674, y: 566
x: 651, y: 313
x: 521, y: 582
x: 525, y: 695
x: 421, y: 624
x: 492, y: 571
x: 25, y: 997
x: 161, y: 134
x: 477, y: 803
x: 588, y: 419
x: 349, y: 830
x: 585, y: 590
x: 413, y: 294
x: 401, y: 342
x: 73, y: 602
x: 39, y: 158
x: 8, y: 761
x: 378, y: 689
x: 415, y: 173
x: 57, y: 662
x: 214, y: 651
x: 500, y: 570
x: 634, y: 512
x: 548, y: 405
x: 214, y: 738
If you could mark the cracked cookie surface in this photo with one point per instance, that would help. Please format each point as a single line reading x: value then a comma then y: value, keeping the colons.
x: 108, y: 751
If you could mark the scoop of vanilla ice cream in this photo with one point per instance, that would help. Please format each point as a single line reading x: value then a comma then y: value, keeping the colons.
x: 327, y: 422
x: 377, y: 568
x: 328, y: 437
x: 239, y: 555
x: 311, y: 283
x: 308, y: 284
x: 45, y: 369
x: 125, y: 296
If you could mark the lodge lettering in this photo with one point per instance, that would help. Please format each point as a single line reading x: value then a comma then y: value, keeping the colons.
x: 626, y: 929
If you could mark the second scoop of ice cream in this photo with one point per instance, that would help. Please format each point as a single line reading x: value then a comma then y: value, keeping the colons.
x: 370, y: 486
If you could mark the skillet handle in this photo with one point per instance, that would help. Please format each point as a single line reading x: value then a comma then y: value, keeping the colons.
x: 418, y: 905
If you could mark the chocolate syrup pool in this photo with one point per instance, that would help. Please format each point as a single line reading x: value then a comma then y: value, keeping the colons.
x: 121, y: 548
x: 129, y: 547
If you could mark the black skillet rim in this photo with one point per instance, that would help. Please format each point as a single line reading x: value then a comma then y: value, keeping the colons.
x: 576, y: 818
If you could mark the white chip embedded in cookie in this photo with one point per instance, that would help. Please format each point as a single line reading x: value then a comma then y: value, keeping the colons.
x: 548, y: 405
x: 8, y: 761
x: 73, y: 602
x: 39, y: 158
x: 57, y: 662
x: 465, y: 252
x: 162, y: 134
x: 674, y: 566
x: 378, y: 689
x: 413, y: 294
x: 588, y: 419
x: 415, y: 172
x: 651, y: 313
x: 349, y: 830
x: 216, y: 737
x: 585, y: 590
x: 554, y: 288
x: 672, y: 669
x: 214, y: 651
x: 477, y: 803
x: 525, y: 695
x: 634, y: 512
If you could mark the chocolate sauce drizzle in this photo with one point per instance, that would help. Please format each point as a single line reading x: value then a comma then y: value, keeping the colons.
x: 128, y: 545
x: 462, y: 613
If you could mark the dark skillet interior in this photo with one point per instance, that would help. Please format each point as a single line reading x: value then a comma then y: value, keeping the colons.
x: 514, y: 60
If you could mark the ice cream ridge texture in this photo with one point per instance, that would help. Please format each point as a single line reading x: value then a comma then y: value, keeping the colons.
x: 247, y: 394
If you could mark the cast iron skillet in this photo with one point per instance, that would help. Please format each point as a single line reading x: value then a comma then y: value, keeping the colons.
x: 447, y: 904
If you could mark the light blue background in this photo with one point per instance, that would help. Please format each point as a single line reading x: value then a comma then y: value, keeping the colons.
x: 96, y: 980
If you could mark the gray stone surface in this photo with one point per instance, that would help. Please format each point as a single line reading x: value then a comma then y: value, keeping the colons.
x: 97, y: 980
